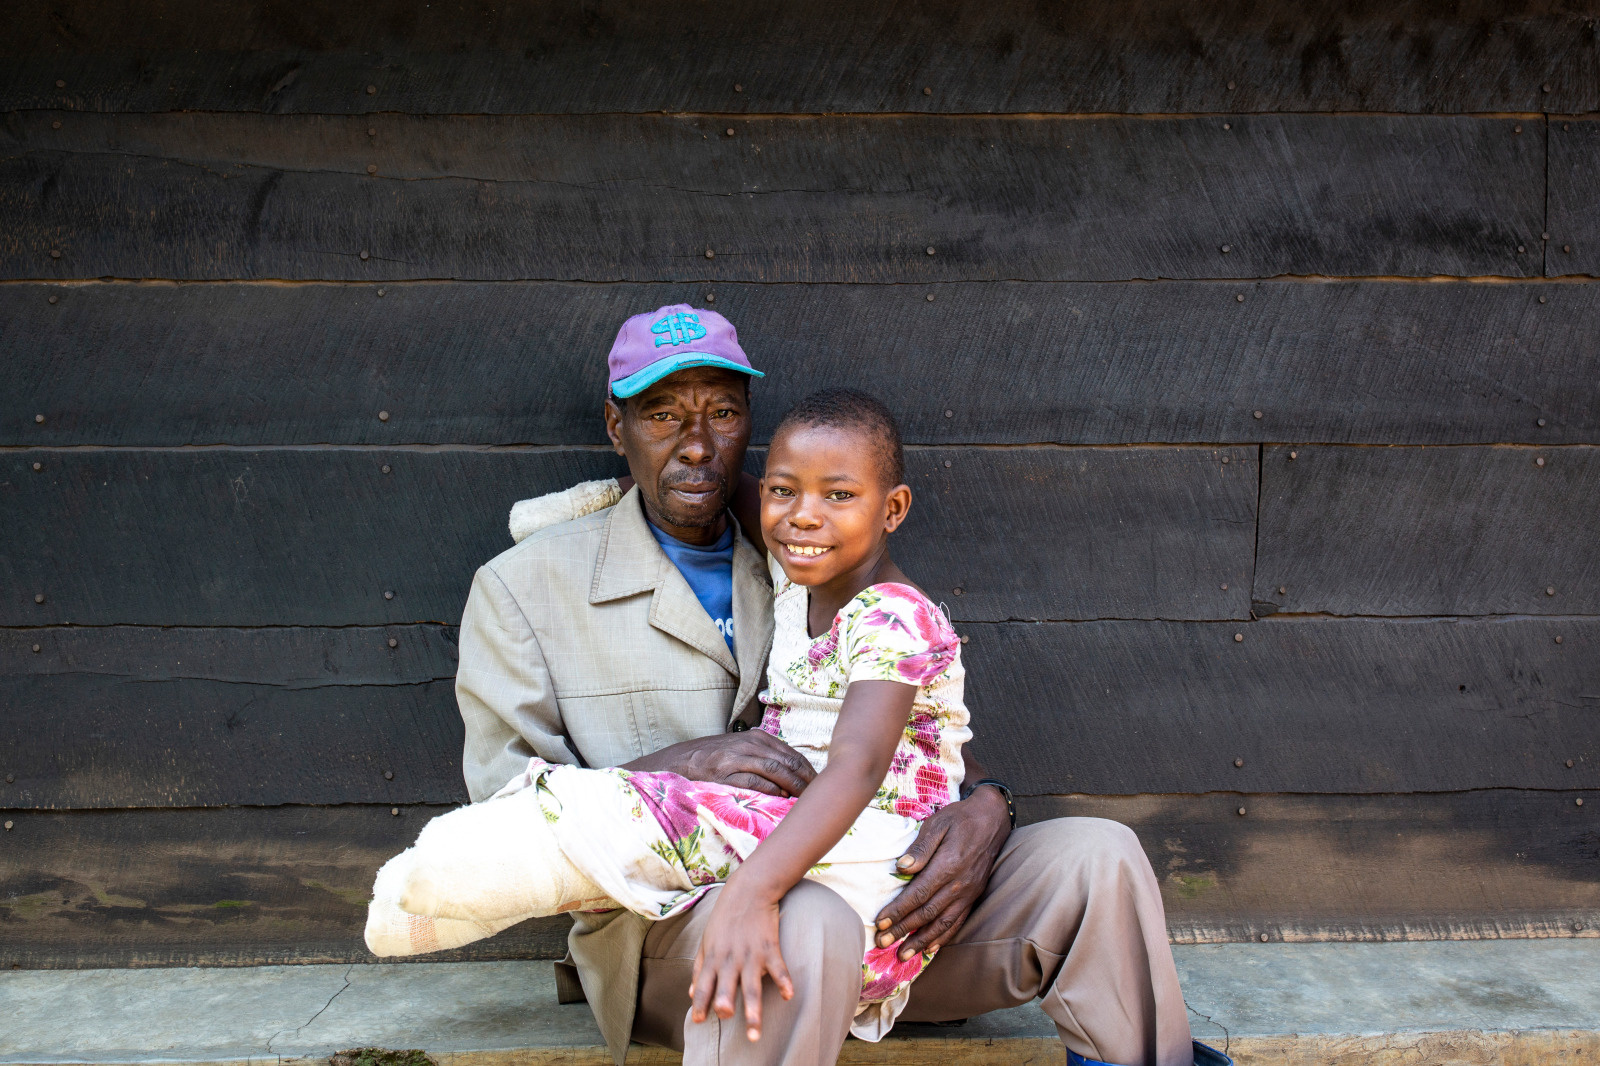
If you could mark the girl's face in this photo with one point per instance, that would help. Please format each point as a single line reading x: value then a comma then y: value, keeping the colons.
x: 825, y: 509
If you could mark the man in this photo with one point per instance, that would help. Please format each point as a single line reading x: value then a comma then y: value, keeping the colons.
x: 637, y: 637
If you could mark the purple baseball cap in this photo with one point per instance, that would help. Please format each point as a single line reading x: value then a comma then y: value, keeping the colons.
x: 669, y: 339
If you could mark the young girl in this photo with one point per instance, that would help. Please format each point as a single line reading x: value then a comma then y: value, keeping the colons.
x: 864, y: 679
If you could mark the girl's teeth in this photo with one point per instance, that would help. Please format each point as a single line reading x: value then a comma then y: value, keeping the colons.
x: 799, y: 549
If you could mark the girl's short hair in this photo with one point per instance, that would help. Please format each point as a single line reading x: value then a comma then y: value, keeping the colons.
x: 853, y: 409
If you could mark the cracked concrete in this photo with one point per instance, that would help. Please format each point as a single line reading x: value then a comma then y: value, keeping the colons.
x: 1509, y: 1001
x: 320, y: 1010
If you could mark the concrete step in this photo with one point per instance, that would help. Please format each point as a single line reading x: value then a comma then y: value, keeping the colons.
x: 1514, y: 1002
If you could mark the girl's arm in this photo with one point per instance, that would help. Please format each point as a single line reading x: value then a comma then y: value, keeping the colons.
x: 741, y: 941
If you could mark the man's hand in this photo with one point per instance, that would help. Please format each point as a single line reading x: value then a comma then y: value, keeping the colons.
x: 951, y: 857
x: 752, y: 759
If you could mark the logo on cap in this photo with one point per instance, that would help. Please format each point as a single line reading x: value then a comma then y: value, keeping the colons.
x: 680, y: 327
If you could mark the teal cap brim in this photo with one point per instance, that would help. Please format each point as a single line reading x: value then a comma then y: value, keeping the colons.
x: 636, y: 383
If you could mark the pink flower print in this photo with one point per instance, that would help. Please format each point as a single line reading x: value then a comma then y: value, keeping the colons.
x: 772, y: 719
x: 922, y: 667
x: 670, y: 799
x: 740, y: 808
x: 926, y: 625
x: 933, y: 791
x: 883, y: 972
x: 901, y: 762
x: 933, y: 786
x: 825, y: 647
x: 923, y: 732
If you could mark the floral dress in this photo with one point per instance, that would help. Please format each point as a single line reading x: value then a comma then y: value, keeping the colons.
x: 656, y: 842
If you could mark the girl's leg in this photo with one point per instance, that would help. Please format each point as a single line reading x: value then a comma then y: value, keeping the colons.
x: 391, y: 931
x: 493, y: 861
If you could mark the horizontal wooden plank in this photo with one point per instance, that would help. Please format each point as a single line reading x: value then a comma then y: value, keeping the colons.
x: 287, y: 657
x: 236, y: 887
x: 843, y: 198
x: 1429, y: 531
x: 151, y: 718
x: 1462, y: 866
x: 252, y: 886
x: 120, y: 743
x: 1013, y: 363
x: 173, y: 717
x: 1308, y: 705
x: 319, y: 536
x: 1151, y: 55
x: 1574, y: 245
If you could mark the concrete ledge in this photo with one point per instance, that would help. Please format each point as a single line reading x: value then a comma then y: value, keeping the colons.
x: 1494, y: 1002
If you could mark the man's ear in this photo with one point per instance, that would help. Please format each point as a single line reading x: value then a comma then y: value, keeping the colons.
x: 614, y: 415
x: 896, y: 506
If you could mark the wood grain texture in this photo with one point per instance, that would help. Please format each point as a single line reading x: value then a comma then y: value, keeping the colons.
x: 317, y: 536
x: 843, y: 198
x: 1151, y: 55
x: 1429, y: 531
x: 1014, y: 363
x: 251, y: 886
x: 238, y: 887
x: 1574, y: 244
x: 174, y: 717
x: 1309, y: 705
x: 1464, y: 866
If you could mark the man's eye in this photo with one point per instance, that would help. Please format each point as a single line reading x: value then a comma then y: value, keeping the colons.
x: 661, y: 416
x: 841, y: 494
x: 724, y: 413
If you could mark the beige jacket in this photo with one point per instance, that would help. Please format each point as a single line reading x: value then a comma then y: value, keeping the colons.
x: 584, y: 644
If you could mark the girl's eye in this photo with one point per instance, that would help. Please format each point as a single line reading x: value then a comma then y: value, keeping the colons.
x: 779, y: 490
x: 841, y: 494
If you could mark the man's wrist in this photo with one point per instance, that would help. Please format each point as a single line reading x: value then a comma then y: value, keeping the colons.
x: 1000, y: 789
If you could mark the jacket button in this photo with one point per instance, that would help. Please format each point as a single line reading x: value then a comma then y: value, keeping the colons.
x: 739, y: 727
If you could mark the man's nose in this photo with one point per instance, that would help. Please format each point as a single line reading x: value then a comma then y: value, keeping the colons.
x: 694, y: 444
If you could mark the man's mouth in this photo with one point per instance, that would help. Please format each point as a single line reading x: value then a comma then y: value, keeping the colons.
x: 806, y: 551
x: 695, y: 491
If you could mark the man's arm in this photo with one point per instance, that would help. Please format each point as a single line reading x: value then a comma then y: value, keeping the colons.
x: 504, y: 691
x: 951, y: 858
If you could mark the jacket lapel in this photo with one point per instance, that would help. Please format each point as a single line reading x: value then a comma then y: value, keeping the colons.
x: 630, y: 562
x: 752, y: 618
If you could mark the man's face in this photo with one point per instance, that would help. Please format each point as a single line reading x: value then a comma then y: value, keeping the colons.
x: 684, y: 439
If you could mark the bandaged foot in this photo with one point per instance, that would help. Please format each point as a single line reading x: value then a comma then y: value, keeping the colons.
x: 391, y: 931
x: 491, y: 862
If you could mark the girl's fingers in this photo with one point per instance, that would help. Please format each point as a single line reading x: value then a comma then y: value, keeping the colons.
x: 751, y: 979
x: 727, y: 985
x: 705, y: 983
x: 780, y: 973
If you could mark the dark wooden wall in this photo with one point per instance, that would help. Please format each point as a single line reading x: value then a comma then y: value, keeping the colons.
x: 1249, y: 354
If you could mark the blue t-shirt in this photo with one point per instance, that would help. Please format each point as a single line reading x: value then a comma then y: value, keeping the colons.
x: 709, y: 572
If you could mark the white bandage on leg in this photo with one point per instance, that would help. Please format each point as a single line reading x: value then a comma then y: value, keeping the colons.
x: 492, y: 861
x: 391, y: 931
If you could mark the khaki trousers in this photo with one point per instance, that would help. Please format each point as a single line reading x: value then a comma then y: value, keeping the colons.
x: 1072, y: 914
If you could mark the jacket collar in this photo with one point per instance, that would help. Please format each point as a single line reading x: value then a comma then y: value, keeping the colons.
x: 631, y: 562
x: 752, y: 618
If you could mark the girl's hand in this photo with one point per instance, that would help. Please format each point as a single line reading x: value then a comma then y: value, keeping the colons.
x: 739, y: 945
